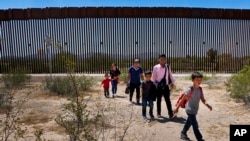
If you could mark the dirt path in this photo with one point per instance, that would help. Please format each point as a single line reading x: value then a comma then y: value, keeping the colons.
x: 42, y: 108
x: 214, y: 125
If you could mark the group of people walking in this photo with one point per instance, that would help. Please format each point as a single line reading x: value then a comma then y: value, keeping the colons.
x: 151, y: 86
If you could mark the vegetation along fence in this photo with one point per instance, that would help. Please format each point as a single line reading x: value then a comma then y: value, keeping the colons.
x: 44, y: 40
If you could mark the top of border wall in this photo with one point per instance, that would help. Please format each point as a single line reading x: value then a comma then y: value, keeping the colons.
x: 122, y: 12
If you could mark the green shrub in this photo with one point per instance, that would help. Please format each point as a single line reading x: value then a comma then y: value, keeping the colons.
x: 239, y: 85
x: 85, y: 83
x: 123, y: 76
x: 64, y: 85
x: 59, y: 85
x: 15, y: 78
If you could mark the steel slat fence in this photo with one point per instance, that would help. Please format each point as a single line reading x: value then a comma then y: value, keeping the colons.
x: 92, y: 44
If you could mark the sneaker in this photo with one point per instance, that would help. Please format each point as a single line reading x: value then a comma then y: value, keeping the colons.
x: 158, y: 116
x: 144, y: 117
x: 152, y: 117
x: 113, y: 96
x: 138, y: 103
x: 185, y: 137
x: 201, y: 140
x: 172, y: 116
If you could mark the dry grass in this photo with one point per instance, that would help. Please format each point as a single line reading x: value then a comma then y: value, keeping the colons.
x: 56, y: 128
x: 34, y: 118
x: 44, y: 95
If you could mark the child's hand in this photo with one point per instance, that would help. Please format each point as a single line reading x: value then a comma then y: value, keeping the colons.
x: 175, y: 111
x: 209, y: 107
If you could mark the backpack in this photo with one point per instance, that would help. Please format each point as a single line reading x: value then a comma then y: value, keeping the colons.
x: 169, y: 78
x: 186, y: 100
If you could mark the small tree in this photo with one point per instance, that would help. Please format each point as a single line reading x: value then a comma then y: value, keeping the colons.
x: 76, y: 119
x: 212, y: 54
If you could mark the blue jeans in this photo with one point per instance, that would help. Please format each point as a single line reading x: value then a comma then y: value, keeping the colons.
x: 114, y: 86
x: 145, y: 102
x: 191, y: 120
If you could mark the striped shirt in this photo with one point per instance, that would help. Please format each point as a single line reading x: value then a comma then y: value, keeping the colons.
x: 158, y: 73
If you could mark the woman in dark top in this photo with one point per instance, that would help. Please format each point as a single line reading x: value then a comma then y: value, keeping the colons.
x: 114, y: 73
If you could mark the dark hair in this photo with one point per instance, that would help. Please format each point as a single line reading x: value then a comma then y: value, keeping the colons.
x: 106, y: 74
x: 147, y: 73
x: 196, y: 75
x: 162, y: 56
x: 114, y: 64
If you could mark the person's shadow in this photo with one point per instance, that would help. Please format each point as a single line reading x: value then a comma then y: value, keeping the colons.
x: 180, y: 120
x: 118, y: 96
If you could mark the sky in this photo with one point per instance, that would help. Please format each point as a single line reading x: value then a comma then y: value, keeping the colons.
x: 227, y: 4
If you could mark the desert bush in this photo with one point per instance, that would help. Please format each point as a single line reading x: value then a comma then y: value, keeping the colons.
x: 123, y: 75
x: 59, y: 85
x: 64, y: 86
x: 15, y: 78
x: 239, y: 85
x: 38, y: 135
x: 76, y: 120
x: 10, y: 126
x: 85, y: 83
x: 5, y: 99
x: 60, y: 62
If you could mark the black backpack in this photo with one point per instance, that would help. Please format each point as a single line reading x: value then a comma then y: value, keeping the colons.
x: 169, y: 78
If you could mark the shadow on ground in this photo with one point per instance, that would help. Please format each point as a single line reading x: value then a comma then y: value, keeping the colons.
x: 120, y: 96
x: 180, y: 120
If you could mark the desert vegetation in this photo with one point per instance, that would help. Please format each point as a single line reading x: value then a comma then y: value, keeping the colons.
x: 100, y: 63
x: 73, y: 108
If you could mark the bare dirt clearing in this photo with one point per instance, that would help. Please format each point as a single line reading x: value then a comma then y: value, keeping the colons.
x: 42, y: 107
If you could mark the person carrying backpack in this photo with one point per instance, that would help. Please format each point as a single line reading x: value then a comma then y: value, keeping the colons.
x: 192, y: 98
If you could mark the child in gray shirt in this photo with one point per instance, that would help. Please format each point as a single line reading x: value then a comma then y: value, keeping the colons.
x: 194, y: 94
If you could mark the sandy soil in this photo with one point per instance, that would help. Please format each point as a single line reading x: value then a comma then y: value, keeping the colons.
x: 42, y: 108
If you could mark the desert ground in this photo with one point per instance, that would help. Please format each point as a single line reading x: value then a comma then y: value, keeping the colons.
x: 42, y: 107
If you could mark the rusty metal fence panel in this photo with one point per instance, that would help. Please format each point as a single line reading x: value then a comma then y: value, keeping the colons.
x: 93, y: 44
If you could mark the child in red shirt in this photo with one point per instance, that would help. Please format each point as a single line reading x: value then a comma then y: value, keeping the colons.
x: 105, y: 84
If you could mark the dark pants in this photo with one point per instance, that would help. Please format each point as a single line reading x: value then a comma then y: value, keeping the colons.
x: 145, y: 102
x: 106, y: 92
x: 166, y: 94
x: 191, y: 120
x: 132, y: 88
x: 114, y: 86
